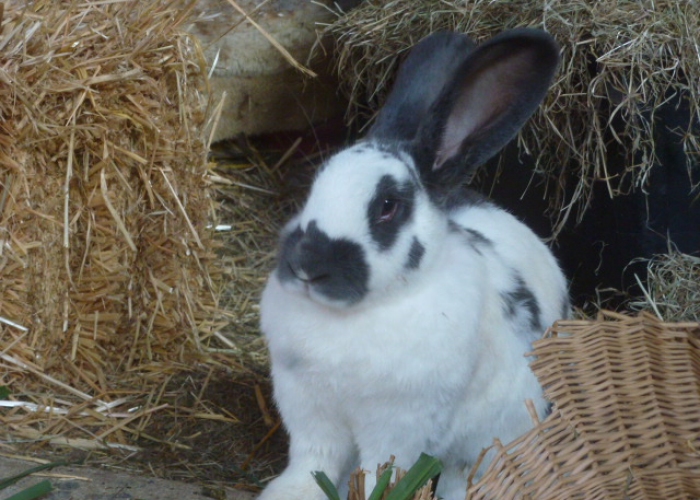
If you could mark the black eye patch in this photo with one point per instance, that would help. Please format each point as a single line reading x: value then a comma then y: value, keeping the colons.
x: 389, y: 210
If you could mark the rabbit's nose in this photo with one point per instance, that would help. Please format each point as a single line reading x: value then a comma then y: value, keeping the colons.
x: 306, y: 257
x: 308, y: 263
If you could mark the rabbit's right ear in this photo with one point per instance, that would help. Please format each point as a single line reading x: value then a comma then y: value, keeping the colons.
x: 420, y: 81
x: 493, y: 93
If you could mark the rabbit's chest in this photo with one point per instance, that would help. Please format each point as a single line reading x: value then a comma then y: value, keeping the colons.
x: 376, y: 353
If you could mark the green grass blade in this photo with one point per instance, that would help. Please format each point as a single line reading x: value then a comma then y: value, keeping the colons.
x: 6, y: 483
x: 33, y: 492
x: 326, y: 485
x: 382, y: 484
x: 425, y: 468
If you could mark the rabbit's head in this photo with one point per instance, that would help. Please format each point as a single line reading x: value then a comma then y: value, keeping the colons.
x: 378, y: 210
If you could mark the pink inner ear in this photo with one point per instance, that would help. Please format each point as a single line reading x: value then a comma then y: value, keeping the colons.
x: 486, y: 96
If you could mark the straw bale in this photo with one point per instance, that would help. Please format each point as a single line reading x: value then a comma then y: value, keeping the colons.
x: 108, y: 266
x: 672, y: 289
x: 621, y: 60
x: 626, y: 394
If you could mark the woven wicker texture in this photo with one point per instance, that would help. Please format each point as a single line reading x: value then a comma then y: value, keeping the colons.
x: 626, y: 419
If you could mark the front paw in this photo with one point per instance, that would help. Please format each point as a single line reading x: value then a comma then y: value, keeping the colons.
x: 293, y: 487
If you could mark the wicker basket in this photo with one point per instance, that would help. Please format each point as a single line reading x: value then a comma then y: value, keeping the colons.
x: 626, y: 419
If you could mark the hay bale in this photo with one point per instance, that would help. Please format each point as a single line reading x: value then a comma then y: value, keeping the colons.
x: 626, y: 397
x: 672, y: 290
x: 106, y: 259
x: 621, y: 60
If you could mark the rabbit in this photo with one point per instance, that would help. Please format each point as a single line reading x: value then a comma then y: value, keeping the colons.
x: 402, y: 305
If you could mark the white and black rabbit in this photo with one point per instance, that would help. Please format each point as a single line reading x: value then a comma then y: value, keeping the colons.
x: 402, y: 306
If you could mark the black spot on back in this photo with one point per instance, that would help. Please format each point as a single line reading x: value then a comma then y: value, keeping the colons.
x: 521, y: 300
x: 548, y: 409
x: 334, y: 267
x: 474, y: 238
x: 478, y: 239
x: 385, y: 233
x: 415, y: 254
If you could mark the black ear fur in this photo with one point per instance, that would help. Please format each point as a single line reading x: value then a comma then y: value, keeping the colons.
x: 493, y: 93
x: 420, y: 81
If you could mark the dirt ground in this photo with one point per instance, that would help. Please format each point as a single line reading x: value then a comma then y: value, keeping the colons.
x: 212, y: 455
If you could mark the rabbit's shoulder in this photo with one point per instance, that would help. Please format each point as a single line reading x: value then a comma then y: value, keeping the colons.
x: 521, y: 265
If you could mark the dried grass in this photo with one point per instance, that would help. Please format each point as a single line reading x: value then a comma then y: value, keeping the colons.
x: 620, y: 60
x: 672, y: 290
x: 626, y: 397
x: 108, y: 266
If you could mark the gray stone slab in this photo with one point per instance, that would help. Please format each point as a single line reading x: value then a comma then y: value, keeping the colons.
x: 92, y: 483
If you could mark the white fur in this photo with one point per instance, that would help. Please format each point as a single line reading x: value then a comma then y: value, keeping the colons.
x: 428, y: 362
x: 432, y: 357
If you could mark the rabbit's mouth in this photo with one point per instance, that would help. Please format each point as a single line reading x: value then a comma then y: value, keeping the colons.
x: 308, y: 280
x: 320, y: 289
x: 309, y: 286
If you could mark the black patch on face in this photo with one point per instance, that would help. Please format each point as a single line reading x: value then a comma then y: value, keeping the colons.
x: 415, y: 254
x: 389, y: 210
x: 333, y: 267
x: 521, y: 299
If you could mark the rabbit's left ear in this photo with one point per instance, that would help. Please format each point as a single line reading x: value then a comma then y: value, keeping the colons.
x: 422, y: 78
x: 496, y: 89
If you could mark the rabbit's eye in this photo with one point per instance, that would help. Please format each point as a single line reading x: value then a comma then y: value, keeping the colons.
x: 389, y: 208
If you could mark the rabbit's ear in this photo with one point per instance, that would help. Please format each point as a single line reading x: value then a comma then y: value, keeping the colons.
x: 420, y: 81
x: 492, y: 95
